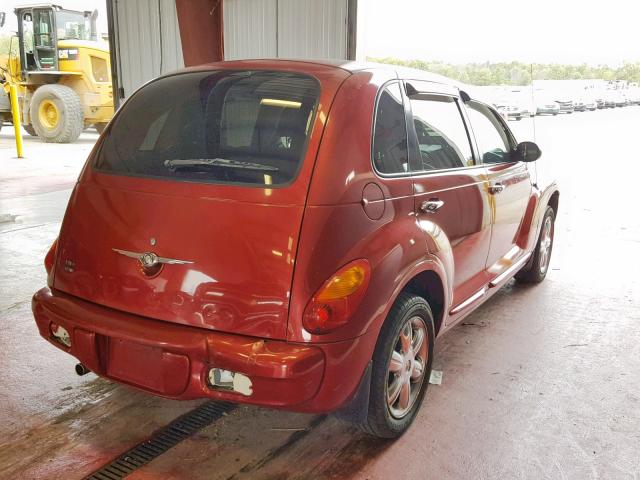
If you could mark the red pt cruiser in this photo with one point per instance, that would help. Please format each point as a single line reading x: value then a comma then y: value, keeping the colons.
x: 292, y: 234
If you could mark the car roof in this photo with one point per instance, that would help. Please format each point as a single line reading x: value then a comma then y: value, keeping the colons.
x: 349, y: 66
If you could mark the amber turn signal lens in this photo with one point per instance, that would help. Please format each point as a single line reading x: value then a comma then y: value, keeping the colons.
x: 334, y: 303
x: 344, y: 283
x: 50, y: 257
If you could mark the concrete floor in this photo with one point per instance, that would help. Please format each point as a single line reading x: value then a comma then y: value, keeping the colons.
x: 540, y: 383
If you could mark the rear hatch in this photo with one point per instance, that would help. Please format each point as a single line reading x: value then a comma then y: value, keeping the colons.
x: 190, y: 208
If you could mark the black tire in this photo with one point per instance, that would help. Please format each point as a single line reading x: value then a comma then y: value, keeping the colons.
x: 380, y: 422
x: 100, y: 127
x: 536, y: 269
x: 30, y: 130
x: 70, y: 117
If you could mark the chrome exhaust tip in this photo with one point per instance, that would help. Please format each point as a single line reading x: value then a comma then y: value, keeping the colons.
x: 81, y: 369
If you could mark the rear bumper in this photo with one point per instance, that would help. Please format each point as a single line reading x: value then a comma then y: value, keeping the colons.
x: 173, y: 360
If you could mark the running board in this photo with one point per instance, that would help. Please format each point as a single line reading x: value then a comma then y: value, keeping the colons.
x: 476, y: 296
x: 509, y: 271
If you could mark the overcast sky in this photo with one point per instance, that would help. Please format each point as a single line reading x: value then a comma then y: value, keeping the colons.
x: 545, y: 31
x: 461, y: 31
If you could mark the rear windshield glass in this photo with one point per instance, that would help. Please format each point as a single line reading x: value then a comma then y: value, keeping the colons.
x: 248, y: 127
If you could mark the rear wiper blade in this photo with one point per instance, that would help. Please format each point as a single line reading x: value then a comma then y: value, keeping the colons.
x: 217, y: 162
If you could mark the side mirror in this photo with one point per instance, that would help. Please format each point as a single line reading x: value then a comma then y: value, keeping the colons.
x: 527, y: 152
x: 3, y: 16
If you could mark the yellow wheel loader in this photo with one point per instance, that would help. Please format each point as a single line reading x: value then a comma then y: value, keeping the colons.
x: 62, y: 73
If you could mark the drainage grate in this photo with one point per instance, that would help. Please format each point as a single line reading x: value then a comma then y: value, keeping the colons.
x: 177, y: 431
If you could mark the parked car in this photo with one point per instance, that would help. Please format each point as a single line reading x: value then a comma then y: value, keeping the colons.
x: 547, y: 107
x: 578, y: 105
x: 620, y: 99
x: 527, y: 106
x: 509, y: 110
x: 566, y: 106
x: 588, y: 103
x: 292, y: 234
x: 633, y: 96
x: 601, y: 102
x: 610, y: 99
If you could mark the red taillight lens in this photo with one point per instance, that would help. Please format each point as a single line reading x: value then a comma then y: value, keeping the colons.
x: 50, y: 257
x: 337, y: 299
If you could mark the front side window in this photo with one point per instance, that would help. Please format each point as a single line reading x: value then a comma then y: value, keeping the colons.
x: 248, y: 127
x: 390, y: 132
x: 442, y: 136
x: 72, y: 26
x: 491, y: 137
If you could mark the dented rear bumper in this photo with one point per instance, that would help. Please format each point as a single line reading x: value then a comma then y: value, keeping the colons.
x: 173, y: 361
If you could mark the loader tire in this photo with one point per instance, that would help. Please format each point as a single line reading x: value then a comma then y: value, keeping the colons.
x: 56, y: 114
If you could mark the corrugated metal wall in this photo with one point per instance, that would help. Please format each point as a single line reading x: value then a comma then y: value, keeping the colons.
x: 147, y: 41
x: 312, y: 29
x: 285, y: 28
x: 250, y: 29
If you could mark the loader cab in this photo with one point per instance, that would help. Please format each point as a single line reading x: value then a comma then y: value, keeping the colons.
x: 40, y: 28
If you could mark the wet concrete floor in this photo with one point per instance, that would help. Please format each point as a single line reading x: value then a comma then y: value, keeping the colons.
x: 540, y: 383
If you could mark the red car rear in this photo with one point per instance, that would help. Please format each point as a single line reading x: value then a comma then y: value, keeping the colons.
x: 291, y: 234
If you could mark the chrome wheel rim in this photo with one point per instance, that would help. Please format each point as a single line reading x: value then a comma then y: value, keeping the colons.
x: 546, y: 240
x: 407, y: 365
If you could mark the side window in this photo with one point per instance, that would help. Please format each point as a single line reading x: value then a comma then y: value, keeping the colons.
x: 493, y: 141
x: 390, y: 132
x: 442, y: 136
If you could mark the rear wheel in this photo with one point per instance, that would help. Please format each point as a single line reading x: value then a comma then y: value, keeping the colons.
x: 56, y: 114
x: 536, y: 270
x: 401, y: 367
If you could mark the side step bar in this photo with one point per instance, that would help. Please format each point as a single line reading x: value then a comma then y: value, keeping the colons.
x: 476, y: 296
x: 493, y: 283
x: 509, y: 271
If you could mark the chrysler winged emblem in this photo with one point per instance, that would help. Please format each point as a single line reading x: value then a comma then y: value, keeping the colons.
x: 150, y: 259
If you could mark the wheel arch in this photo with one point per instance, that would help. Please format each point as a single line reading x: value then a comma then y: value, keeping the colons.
x: 429, y: 285
x: 554, y: 201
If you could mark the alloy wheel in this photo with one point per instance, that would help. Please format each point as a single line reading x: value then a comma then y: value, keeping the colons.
x: 407, y: 366
x: 546, y: 241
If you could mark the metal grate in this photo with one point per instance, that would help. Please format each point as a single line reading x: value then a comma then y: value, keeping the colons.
x: 177, y: 431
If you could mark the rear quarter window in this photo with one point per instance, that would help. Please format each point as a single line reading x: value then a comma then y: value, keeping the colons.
x: 390, y: 153
x: 241, y: 127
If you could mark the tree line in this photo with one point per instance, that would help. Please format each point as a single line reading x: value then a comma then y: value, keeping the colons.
x: 518, y: 73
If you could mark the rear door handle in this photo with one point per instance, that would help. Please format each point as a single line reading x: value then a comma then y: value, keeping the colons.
x: 430, y: 206
x: 496, y: 187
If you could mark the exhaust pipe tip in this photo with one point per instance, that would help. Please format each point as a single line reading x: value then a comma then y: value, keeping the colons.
x: 81, y: 369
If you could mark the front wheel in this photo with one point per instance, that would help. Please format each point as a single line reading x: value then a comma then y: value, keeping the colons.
x: 536, y: 270
x: 401, y: 367
x: 56, y: 113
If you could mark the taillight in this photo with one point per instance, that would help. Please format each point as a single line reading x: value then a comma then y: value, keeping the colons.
x: 337, y: 299
x: 51, y: 256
